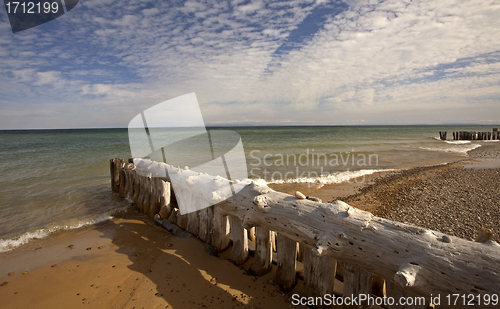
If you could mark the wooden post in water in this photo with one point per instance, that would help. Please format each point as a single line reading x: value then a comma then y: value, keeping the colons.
x: 114, y: 165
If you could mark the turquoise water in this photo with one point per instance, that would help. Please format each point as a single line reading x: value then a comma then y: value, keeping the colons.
x: 59, y: 179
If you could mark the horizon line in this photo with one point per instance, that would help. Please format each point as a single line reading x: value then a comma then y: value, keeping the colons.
x: 268, y: 125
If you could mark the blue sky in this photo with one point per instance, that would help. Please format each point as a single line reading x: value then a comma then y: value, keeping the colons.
x: 256, y: 63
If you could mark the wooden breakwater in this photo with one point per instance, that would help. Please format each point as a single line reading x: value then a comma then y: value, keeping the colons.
x: 472, y: 135
x: 370, y: 255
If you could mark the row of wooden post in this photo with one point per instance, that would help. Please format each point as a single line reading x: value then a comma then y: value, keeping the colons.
x: 154, y: 197
x: 472, y: 135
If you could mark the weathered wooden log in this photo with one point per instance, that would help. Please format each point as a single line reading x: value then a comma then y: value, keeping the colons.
x: 165, y: 208
x: 220, y: 232
x: 319, y: 274
x: 301, y: 252
x: 263, y: 258
x: 287, y: 259
x: 173, y: 216
x: 193, y: 222
x: 356, y: 282
x: 114, y: 175
x: 273, y: 240
x: 210, y: 225
x: 142, y: 191
x: 136, y: 184
x: 373, y: 243
x: 443, y: 265
x: 182, y: 221
x: 122, y: 179
x: 378, y: 286
x: 396, y: 292
x: 251, y: 234
x: 155, y: 196
x: 130, y: 174
x: 239, y: 252
x: 147, y: 195
x: 203, y: 227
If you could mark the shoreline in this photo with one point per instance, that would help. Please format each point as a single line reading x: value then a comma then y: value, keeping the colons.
x: 458, y: 198
x: 129, y: 261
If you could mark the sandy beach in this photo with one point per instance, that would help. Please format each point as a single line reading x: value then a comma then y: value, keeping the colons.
x: 130, y: 262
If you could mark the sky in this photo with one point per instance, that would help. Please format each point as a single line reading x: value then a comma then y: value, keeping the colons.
x: 316, y: 62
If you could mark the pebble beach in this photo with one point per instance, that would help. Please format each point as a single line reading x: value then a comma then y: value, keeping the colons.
x: 457, y: 199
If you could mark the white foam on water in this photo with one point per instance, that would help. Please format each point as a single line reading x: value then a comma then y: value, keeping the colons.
x: 459, y: 148
x: 325, y: 179
x: 11, y: 243
x: 457, y: 142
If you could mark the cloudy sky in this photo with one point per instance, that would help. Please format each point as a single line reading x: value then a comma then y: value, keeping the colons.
x: 256, y: 62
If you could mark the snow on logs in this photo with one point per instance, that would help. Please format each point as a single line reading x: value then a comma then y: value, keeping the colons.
x: 413, y: 261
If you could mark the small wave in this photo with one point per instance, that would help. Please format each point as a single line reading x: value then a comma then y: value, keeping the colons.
x: 9, y: 244
x: 458, y: 142
x: 325, y: 179
x: 461, y: 149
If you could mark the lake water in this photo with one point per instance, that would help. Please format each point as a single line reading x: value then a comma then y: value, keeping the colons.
x: 59, y: 179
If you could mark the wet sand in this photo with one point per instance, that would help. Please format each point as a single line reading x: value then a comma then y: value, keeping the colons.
x: 128, y: 262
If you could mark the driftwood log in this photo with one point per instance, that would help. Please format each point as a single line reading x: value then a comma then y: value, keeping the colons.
x: 421, y: 261
x: 414, y: 261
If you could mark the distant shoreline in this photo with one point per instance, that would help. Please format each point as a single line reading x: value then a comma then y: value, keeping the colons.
x: 209, y: 126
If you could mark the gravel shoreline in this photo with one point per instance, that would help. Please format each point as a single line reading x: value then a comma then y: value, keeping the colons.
x: 448, y: 198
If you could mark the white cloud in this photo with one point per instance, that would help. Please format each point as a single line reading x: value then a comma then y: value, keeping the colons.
x: 375, y: 58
